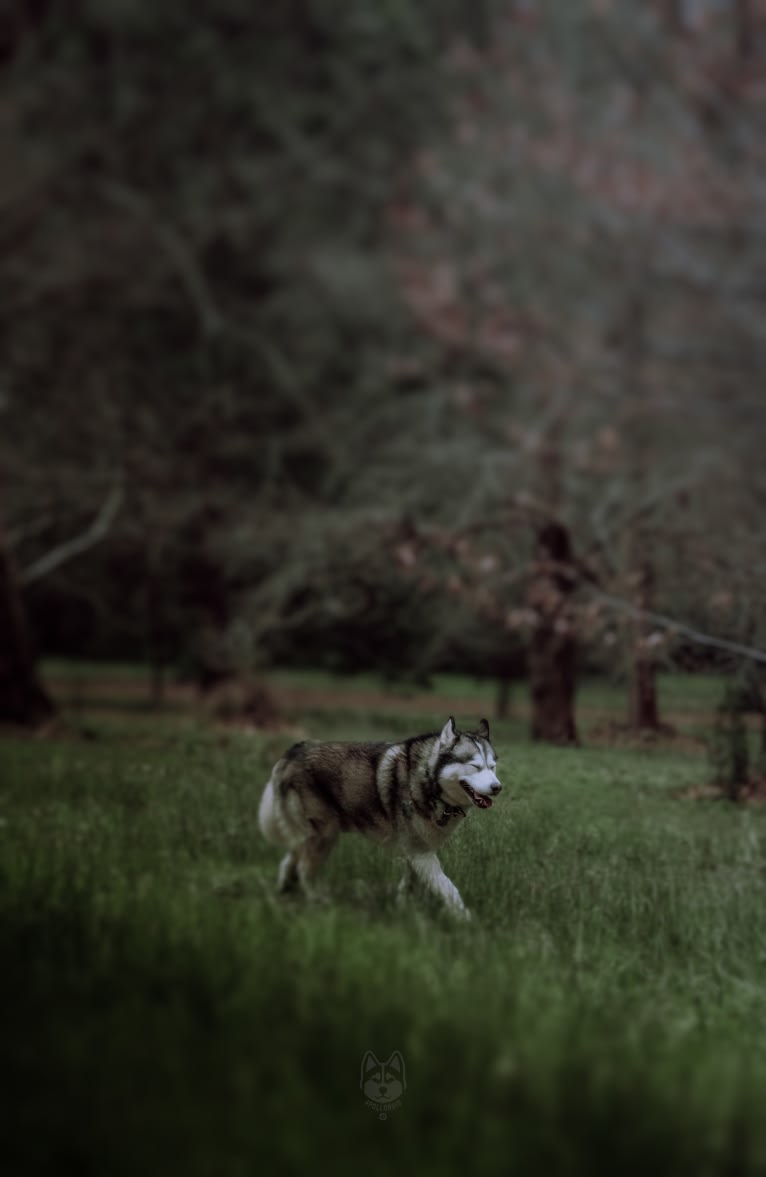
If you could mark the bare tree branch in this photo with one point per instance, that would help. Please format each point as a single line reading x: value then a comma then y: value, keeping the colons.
x: 678, y: 627
x: 176, y: 249
x: 213, y: 321
x: 98, y: 529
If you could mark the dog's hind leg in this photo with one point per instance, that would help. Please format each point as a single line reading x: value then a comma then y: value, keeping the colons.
x: 287, y: 879
x: 299, y: 866
x: 311, y: 854
x: 428, y: 869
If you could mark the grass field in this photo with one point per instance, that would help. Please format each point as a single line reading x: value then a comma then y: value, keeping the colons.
x: 165, y: 1013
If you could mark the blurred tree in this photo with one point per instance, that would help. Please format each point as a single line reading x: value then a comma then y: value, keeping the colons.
x: 182, y: 302
x: 23, y: 699
x: 307, y: 276
x: 563, y: 248
x: 552, y: 647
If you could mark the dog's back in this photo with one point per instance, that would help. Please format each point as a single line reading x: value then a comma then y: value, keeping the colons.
x: 319, y: 785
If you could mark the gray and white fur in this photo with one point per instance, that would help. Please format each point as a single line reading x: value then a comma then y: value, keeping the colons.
x: 412, y: 795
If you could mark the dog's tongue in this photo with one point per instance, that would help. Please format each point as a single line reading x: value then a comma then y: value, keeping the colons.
x: 482, y: 802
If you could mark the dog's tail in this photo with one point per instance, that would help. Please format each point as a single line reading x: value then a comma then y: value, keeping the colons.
x: 267, y: 813
x: 276, y: 817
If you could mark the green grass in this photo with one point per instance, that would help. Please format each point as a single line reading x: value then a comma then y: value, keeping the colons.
x: 102, y: 685
x: 165, y: 1013
x: 685, y: 692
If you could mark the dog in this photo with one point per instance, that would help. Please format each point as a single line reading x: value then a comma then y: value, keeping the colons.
x: 382, y: 1082
x: 412, y: 795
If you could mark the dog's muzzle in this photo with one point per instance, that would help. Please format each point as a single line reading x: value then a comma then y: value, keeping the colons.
x: 482, y: 787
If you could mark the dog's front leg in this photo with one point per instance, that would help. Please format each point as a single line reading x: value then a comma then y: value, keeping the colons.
x: 428, y: 869
x: 406, y: 885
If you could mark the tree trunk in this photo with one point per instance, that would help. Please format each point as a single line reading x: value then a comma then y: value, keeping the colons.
x: 156, y: 629
x: 643, y: 710
x: 762, y: 701
x: 644, y: 714
x: 23, y: 699
x: 552, y: 683
x: 502, y: 698
x: 552, y: 647
x: 158, y: 682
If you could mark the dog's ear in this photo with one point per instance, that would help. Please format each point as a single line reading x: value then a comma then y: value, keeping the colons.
x: 396, y: 1063
x: 483, y: 729
x: 369, y: 1061
x: 449, y: 732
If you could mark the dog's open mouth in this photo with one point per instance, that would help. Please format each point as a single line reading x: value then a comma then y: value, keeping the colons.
x: 478, y: 798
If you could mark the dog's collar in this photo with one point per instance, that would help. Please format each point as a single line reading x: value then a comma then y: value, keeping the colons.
x: 448, y: 813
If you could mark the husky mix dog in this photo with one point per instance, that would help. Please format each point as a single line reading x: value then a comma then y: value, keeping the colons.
x: 412, y: 795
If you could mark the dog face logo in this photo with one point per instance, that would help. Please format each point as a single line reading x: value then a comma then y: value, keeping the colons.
x: 383, y: 1083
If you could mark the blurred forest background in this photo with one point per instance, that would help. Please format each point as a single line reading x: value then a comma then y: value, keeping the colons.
x: 391, y: 335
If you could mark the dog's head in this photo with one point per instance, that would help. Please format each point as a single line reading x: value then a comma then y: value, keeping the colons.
x: 466, y: 764
x: 382, y: 1082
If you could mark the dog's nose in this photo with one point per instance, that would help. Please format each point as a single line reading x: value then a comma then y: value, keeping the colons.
x: 383, y: 1089
x: 496, y: 789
